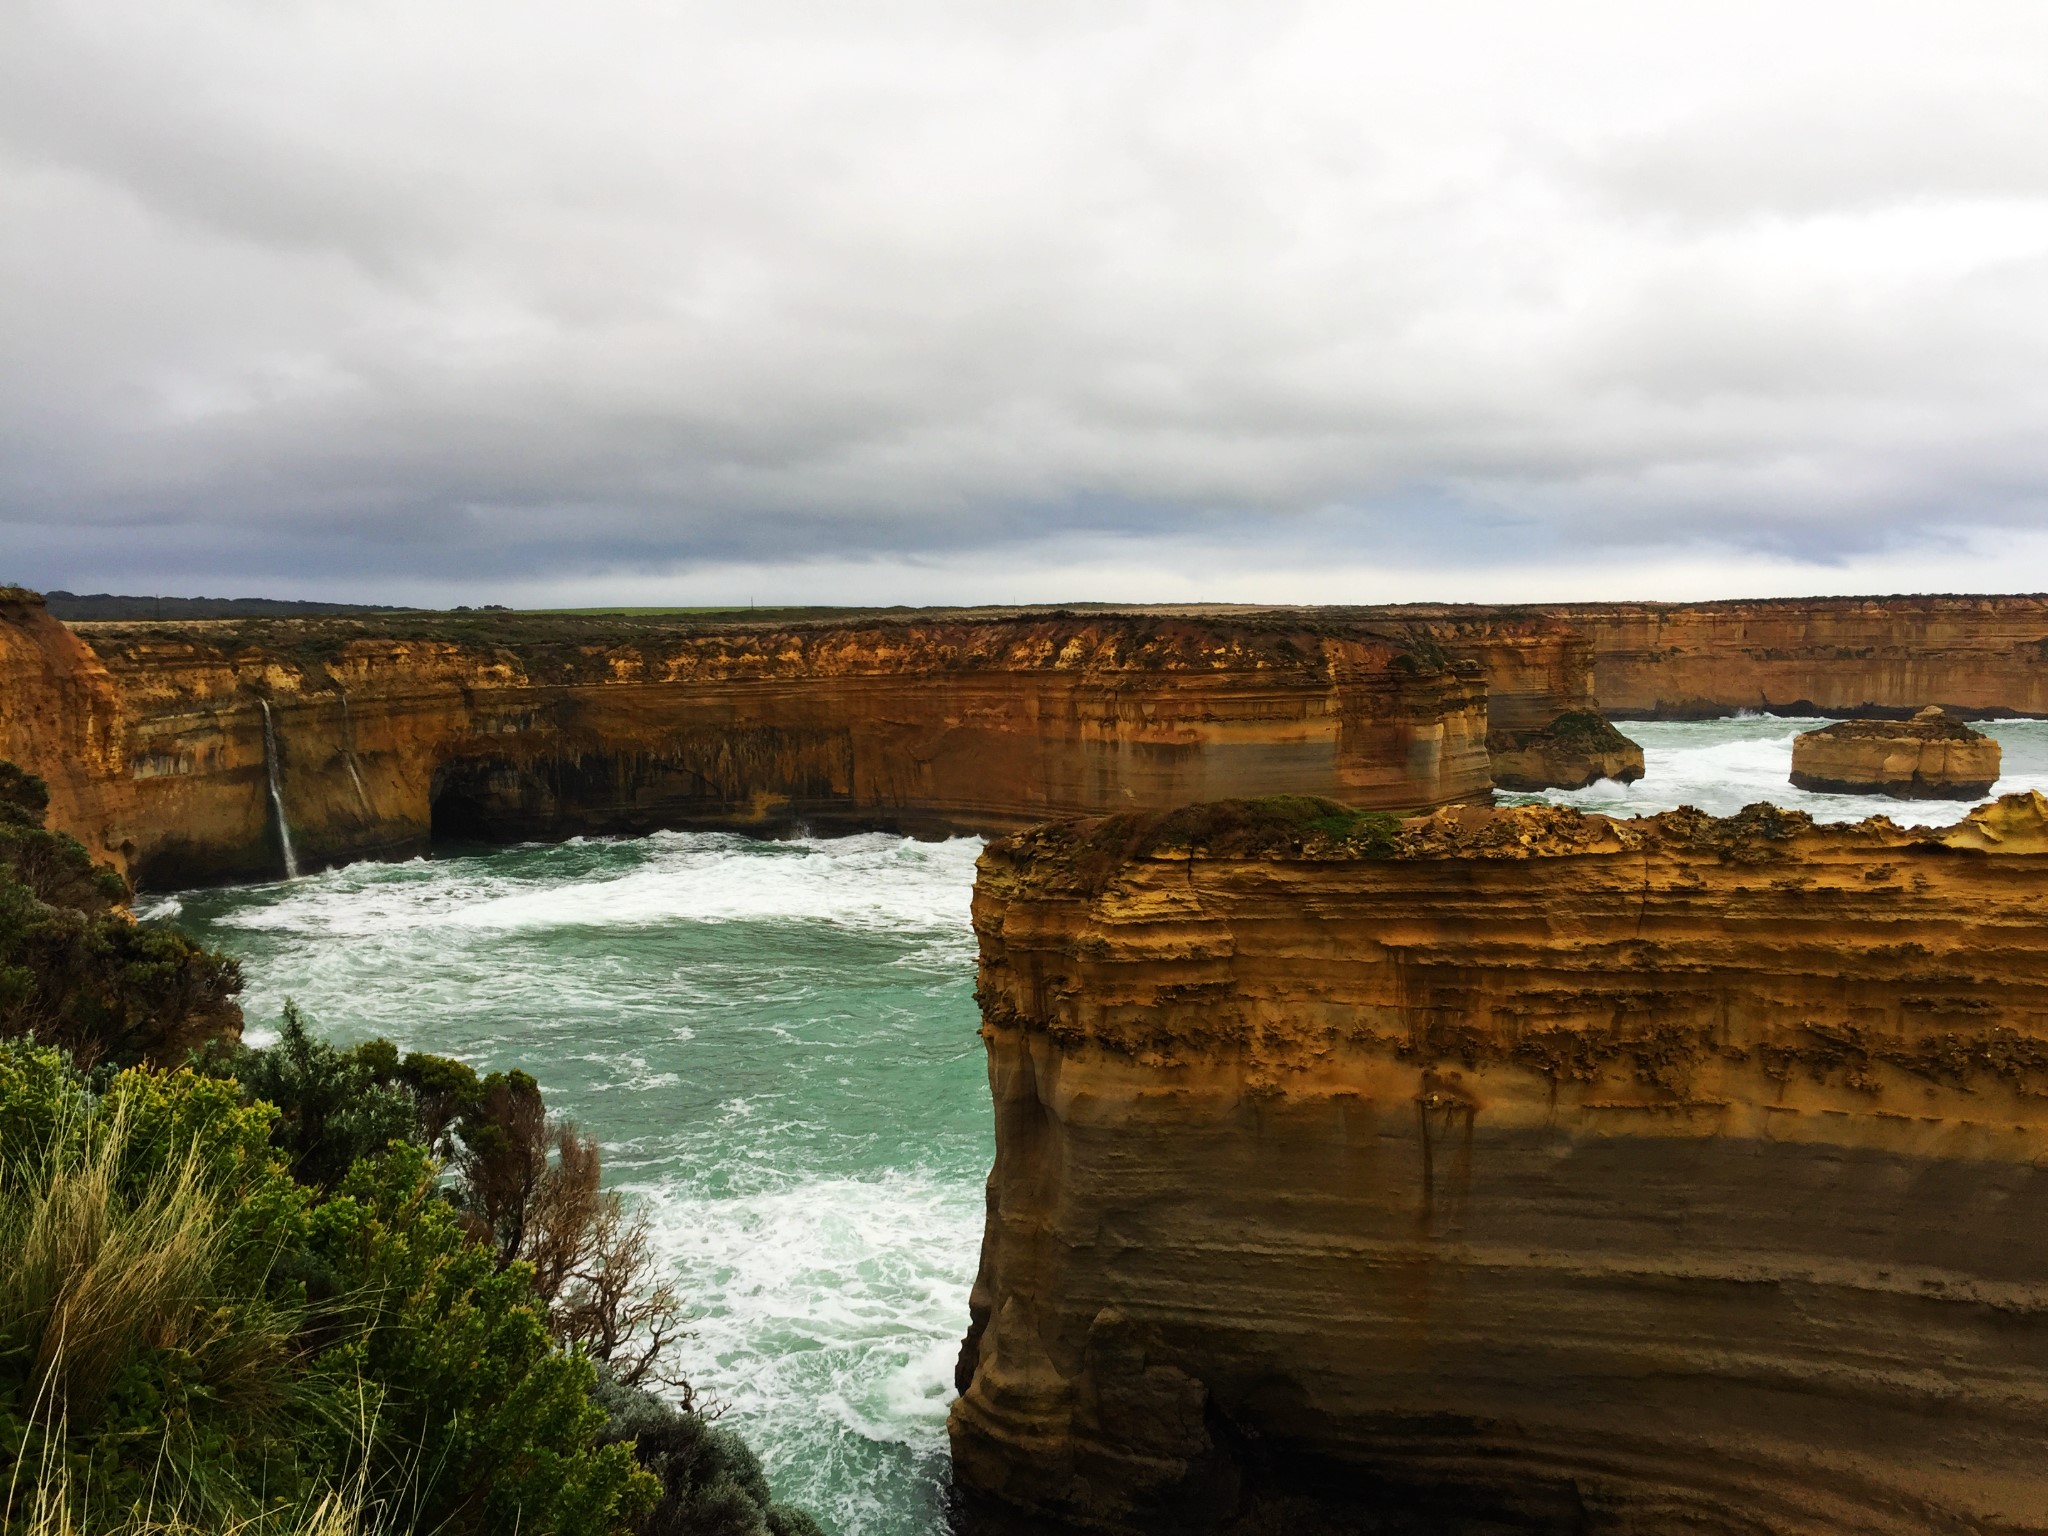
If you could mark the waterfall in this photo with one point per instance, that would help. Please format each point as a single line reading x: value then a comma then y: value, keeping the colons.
x: 284, y: 827
x: 348, y: 751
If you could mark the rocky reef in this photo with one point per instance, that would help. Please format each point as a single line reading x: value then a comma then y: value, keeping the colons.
x: 1929, y: 757
x: 1513, y: 1169
x: 1977, y: 657
x: 191, y: 751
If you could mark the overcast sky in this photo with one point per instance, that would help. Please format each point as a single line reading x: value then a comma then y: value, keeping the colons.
x: 477, y: 300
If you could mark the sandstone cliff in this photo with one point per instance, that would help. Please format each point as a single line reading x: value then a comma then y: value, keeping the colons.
x: 1975, y: 656
x: 1514, y: 1169
x: 386, y: 734
x: 1929, y: 757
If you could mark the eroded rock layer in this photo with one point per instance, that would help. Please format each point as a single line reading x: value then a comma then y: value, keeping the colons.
x: 1515, y: 1169
x: 1929, y: 757
x: 381, y: 737
x: 1976, y: 656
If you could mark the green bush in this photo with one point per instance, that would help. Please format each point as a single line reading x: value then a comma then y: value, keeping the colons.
x: 177, y: 1312
x: 76, y: 970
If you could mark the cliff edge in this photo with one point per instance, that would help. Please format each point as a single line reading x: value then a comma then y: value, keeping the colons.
x: 1514, y: 1169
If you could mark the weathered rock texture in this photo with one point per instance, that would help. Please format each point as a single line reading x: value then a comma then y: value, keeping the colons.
x: 1515, y: 1169
x: 1975, y: 656
x: 1574, y: 750
x: 1929, y: 757
x: 512, y: 729
x: 1544, y: 723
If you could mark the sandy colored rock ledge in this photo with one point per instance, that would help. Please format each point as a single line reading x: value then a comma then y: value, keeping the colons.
x: 1514, y: 1169
x: 1929, y: 757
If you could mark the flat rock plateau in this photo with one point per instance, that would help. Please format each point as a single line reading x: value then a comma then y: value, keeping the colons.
x: 1514, y: 1169
x: 1929, y: 757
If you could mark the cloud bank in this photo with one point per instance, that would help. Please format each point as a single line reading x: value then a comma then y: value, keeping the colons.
x: 944, y: 301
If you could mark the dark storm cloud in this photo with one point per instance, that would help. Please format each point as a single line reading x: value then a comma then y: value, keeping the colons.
x: 358, y: 296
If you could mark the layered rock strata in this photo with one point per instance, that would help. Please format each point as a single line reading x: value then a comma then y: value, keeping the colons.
x: 1514, y: 1169
x: 1978, y: 657
x: 380, y: 738
x: 1929, y: 757
x: 1545, y: 729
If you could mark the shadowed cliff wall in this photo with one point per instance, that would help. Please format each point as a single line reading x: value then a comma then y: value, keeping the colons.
x: 547, y: 729
x: 1519, y: 1170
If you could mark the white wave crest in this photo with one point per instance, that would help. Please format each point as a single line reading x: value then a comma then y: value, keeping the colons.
x: 875, y: 882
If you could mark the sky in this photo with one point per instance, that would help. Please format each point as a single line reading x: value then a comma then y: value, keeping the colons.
x: 446, y: 301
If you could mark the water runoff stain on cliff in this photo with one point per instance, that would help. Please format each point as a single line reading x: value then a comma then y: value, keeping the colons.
x: 1722, y: 765
x: 776, y: 1043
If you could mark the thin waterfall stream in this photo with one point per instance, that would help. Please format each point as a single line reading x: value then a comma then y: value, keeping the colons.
x: 284, y: 826
x: 348, y: 752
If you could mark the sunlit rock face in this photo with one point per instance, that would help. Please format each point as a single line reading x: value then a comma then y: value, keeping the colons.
x: 514, y: 729
x: 1515, y: 1170
x: 1929, y: 757
x: 1976, y: 656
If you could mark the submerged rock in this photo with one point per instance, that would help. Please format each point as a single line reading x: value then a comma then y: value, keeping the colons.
x: 1932, y: 756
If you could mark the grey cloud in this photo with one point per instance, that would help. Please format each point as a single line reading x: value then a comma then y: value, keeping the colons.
x: 332, y: 294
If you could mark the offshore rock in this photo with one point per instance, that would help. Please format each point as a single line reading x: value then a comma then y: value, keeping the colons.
x: 390, y: 732
x: 1514, y: 1169
x: 1572, y: 751
x: 1929, y: 757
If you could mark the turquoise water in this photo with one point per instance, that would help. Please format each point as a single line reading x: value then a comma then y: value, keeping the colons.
x: 776, y: 1044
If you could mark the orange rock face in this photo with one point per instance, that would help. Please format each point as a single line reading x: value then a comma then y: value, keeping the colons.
x: 927, y: 726
x: 1930, y: 757
x: 1976, y: 656
x: 1515, y: 1169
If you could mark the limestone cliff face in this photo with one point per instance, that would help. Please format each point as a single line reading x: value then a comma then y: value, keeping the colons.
x: 60, y: 715
x: 1976, y: 656
x: 1544, y: 723
x: 1930, y: 757
x: 1516, y: 1169
x: 383, y: 739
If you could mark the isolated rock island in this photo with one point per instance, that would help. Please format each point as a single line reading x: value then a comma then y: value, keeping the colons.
x: 1932, y: 756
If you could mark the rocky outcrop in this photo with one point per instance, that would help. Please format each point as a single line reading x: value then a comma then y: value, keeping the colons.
x: 1929, y: 757
x: 1545, y: 729
x: 1977, y: 657
x: 387, y: 734
x: 1571, y: 752
x: 1514, y: 1169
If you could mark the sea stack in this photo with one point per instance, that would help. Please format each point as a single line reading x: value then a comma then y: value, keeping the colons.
x: 1929, y: 757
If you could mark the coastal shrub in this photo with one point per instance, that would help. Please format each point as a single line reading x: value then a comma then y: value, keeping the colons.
x: 525, y: 1183
x: 711, y: 1483
x: 183, y: 1323
x: 76, y: 971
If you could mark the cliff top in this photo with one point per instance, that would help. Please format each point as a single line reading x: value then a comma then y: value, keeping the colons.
x: 1084, y: 857
x: 551, y: 648
x: 1931, y: 724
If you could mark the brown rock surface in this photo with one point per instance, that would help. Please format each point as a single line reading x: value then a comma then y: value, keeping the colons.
x: 1572, y: 751
x: 1976, y: 656
x: 1515, y: 1169
x: 1929, y: 757
x: 527, y: 728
